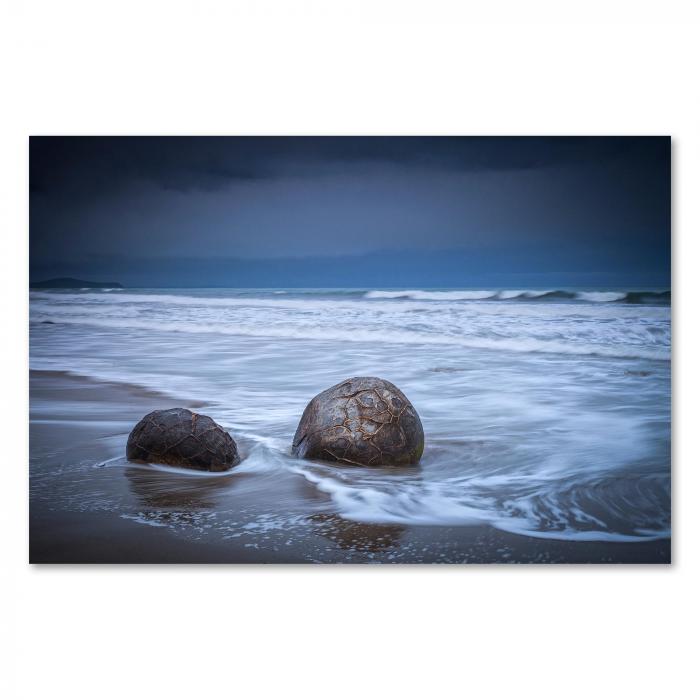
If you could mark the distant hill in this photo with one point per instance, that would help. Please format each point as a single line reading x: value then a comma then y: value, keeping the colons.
x: 72, y: 283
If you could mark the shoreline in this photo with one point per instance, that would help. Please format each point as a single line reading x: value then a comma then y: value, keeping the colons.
x: 77, y: 423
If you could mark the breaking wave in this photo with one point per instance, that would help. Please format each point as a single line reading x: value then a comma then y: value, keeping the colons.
x: 629, y: 297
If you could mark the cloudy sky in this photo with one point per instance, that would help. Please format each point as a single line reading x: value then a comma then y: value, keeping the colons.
x: 349, y: 211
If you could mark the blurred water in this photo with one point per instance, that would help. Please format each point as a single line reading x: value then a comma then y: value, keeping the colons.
x: 546, y: 412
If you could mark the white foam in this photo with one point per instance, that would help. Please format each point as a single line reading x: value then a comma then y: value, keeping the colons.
x: 605, y: 297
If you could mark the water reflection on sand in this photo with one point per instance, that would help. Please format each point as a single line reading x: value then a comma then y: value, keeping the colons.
x: 157, y: 488
x: 360, y: 537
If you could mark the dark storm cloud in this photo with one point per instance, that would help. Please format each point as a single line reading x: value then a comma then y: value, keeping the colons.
x: 207, y: 162
x: 593, y: 202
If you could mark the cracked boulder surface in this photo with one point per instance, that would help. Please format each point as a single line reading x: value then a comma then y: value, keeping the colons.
x: 365, y: 421
x: 181, y: 438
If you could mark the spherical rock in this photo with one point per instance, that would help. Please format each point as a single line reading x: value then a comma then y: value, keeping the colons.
x: 365, y: 421
x: 184, y: 439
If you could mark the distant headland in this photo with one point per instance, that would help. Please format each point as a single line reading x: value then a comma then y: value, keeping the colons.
x: 72, y: 283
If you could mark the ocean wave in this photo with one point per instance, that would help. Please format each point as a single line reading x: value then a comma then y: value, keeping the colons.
x: 378, y: 299
x: 629, y: 297
x: 358, y: 334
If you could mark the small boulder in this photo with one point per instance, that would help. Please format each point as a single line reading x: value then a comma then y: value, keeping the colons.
x: 364, y: 421
x: 182, y: 438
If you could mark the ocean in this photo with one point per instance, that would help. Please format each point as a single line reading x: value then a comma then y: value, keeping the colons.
x: 547, y: 416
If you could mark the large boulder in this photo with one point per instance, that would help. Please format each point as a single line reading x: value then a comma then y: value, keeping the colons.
x: 181, y: 438
x: 364, y: 421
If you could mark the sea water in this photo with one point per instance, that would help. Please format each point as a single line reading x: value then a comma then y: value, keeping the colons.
x: 546, y: 412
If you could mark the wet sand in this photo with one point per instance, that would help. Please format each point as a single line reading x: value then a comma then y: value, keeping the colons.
x: 88, y: 505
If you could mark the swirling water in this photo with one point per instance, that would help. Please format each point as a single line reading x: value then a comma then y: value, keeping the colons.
x: 546, y: 412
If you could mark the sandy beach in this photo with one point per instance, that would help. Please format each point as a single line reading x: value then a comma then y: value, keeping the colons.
x: 88, y: 505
